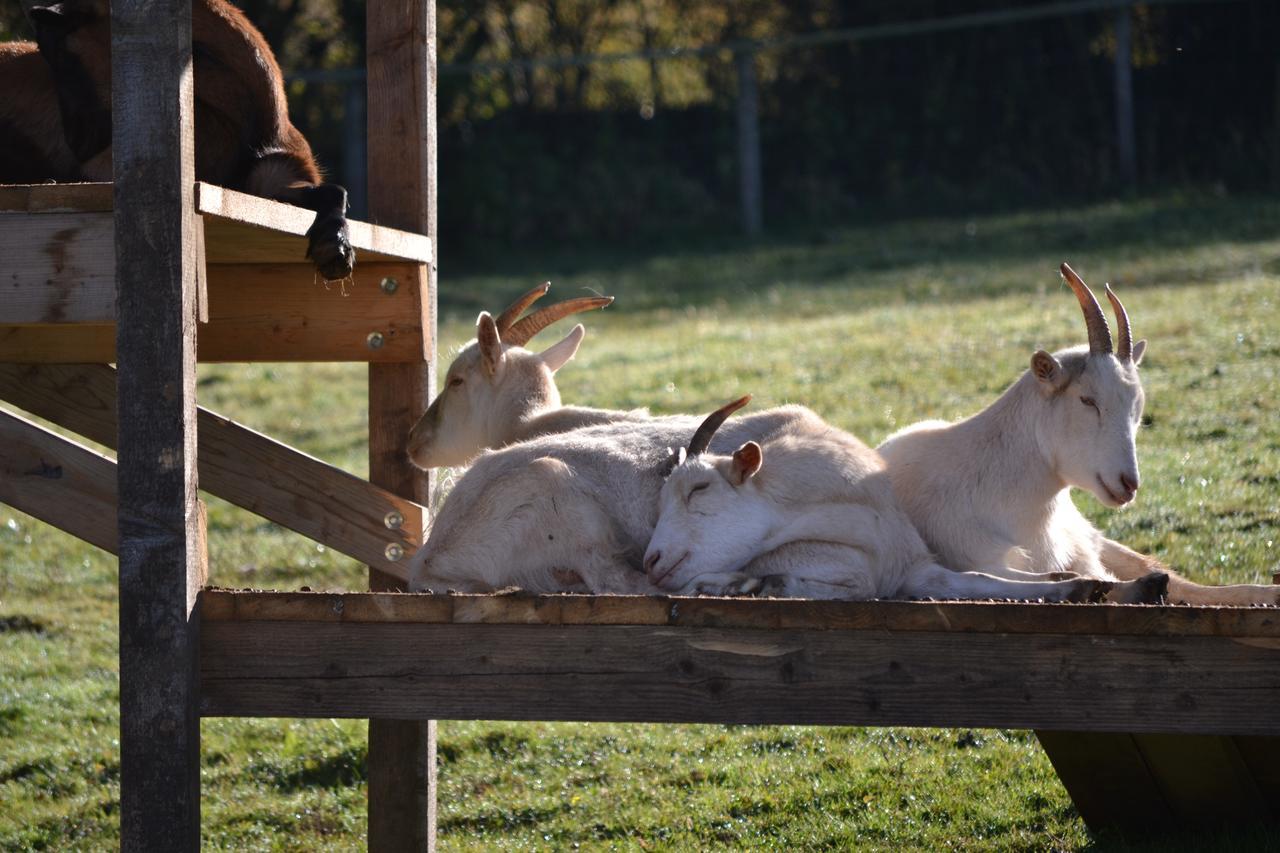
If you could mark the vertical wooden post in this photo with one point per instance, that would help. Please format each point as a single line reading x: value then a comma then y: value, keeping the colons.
x: 402, y: 193
x: 751, y: 192
x: 1126, y: 147
x: 161, y: 526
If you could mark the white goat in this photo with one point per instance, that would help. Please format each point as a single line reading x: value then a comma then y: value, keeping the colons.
x: 496, y: 392
x: 573, y: 512
x: 993, y: 491
x: 812, y: 482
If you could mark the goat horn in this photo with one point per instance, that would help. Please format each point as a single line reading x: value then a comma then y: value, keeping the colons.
x: 1094, y: 320
x: 1124, y: 346
x: 515, y: 309
x: 521, y: 332
x: 702, y: 438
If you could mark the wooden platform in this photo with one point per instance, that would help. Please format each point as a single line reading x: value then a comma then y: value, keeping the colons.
x: 1104, y: 668
x: 264, y: 301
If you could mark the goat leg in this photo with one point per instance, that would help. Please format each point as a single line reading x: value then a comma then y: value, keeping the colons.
x: 1127, y: 564
x: 282, y: 176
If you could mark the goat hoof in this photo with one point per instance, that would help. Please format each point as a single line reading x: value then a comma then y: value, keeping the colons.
x: 329, y: 248
x: 1088, y: 590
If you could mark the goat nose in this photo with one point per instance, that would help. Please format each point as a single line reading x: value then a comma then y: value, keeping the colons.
x: 1129, y: 484
x: 651, y: 559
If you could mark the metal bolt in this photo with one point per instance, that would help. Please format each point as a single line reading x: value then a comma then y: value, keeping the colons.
x: 390, y: 285
x: 393, y: 520
x: 394, y: 552
x: 375, y: 340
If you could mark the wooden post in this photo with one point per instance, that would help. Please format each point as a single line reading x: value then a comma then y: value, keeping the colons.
x: 160, y: 524
x: 1126, y: 147
x: 402, y: 192
x: 751, y: 194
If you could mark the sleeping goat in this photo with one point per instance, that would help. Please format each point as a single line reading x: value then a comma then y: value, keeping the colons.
x: 811, y: 482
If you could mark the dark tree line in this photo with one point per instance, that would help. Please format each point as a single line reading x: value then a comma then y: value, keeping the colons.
x: 1020, y: 113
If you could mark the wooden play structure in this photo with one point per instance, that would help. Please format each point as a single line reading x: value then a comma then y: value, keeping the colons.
x: 1152, y: 716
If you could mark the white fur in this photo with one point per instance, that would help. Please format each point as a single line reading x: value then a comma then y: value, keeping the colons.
x: 719, y: 515
x: 994, y: 491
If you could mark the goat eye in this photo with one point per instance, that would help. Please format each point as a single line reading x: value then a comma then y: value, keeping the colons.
x: 1089, y: 401
x: 696, y: 489
x: 455, y: 382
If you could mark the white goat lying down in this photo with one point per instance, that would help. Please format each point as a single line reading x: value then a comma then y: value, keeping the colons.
x: 812, y: 482
x: 566, y: 513
x: 993, y: 492
x: 496, y: 392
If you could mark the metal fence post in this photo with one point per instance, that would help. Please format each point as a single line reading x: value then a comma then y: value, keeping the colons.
x: 749, y: 180
x: 1126, y: 150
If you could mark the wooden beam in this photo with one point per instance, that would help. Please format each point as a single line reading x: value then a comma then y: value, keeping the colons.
x: 248, y: 469
x: 157, y: 309
x: 1256, y: 625
x: 58, y: 268
x: 244, y: 228
x: 401, y: 63
x: 257, y: 312
x: 58, y: 481
x: 1051, y: 681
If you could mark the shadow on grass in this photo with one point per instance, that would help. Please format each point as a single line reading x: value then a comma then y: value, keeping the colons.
x: 952, y: 252
x: 341, y: 769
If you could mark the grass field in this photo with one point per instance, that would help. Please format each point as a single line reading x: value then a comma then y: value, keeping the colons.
x: 874, y: 327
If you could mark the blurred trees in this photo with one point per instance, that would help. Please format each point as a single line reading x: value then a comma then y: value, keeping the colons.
x: 1004, y: 114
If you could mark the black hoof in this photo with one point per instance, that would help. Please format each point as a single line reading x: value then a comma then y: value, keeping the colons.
x: 330, y: 249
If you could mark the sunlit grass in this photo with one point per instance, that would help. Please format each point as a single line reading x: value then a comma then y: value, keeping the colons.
x: 873, y: 327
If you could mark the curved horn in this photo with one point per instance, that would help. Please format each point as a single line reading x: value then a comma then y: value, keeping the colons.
x: 1094, y: 320
x: 520, y: 333
x: 702, y: 438
x: 1124, y: 346
x: 515, y: 309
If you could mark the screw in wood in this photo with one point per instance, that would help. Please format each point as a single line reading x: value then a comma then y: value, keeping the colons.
x: 375, y: 340
x: 393, y: 520
x: 394, y: 552
x: 390, y: 285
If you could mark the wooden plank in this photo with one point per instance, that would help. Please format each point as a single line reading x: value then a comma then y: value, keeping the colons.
x: 401, y: 63
x: 238, y: 464
x: 1204, y: 778
x: 58, y: 481
x: 56, y: 198
x: 161, y: 543
x: 741, y: 675
x: 58, y: 268
x: 1108, y: 780
x: 1258, y: 627
x: 1262, y: 756
x: 267, y: 312
x: 244, y: 228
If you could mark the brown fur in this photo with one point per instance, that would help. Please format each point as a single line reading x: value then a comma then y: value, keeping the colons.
x: 244, y: 139
x: 32, y: 144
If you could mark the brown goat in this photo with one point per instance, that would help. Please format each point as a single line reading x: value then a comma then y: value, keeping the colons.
x: 244, y: 139
x: 33, y: 147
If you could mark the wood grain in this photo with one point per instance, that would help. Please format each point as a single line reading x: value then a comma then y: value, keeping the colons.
x: 1205, y: 685
x: 56, y: 198
x: 58, y: 268
x: 58, y: 481
x: 265, y: 312
x: 247, y: 229
x: 161, y: 543
x: 401, y: 63
x: 248, y: 469
x: 1258, y: 626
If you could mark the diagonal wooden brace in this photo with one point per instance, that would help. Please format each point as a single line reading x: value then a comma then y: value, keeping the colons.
x: 242, y: 466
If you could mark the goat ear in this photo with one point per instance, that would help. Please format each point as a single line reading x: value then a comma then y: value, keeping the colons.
x: 1139, y: 350
x: 490, y: 343
x: 674, y: 459
x: 1047, y: 369
x: 747, y: 460
x: 557, y: 355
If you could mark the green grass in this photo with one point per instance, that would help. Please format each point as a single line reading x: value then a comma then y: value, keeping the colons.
x: 873, y: 327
